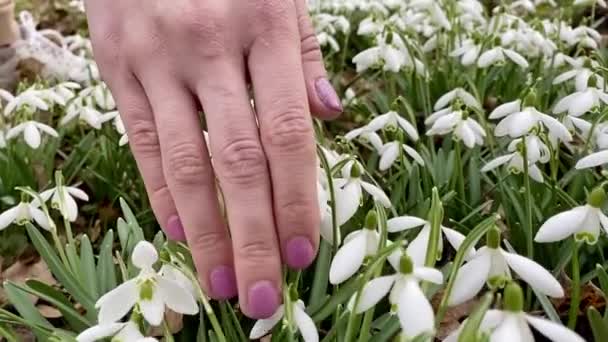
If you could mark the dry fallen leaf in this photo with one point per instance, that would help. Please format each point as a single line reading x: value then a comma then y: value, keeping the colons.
x: 48, y: 311
x: 23, y: 270
x: 454, y: 315
x: 174, y: 321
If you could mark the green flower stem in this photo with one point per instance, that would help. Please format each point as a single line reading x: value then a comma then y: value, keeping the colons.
x: 459, y: 181
x: 575, y: 296
x: 435, y: 218
x: 528, y: 198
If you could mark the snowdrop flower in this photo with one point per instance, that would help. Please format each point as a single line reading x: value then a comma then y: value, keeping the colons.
x: 467, y: 51
x: 120, y: 128
x: 119, y: 332
x: 357, y: 245
x: 458, y: 93
x: 437, y: 15
x: 348, y: 192
x: 592, y: 160
x: 350, y: 97
x: 303, y: 322
x: 581, y: 102
x: 390, y: 151
x: 417, y: 249
x: 493, y: 265
x: 500, y: 54
x: 518, y: 120
x: 581, y: 73
x: 86, y: 114
x: 101, y: 96
x: 66, y: 90
x: 513, y: 324
x: 149, y: 290
x: 584, y: 222
x: 63, y: 198
x: 370, y: 26
x: 22, y: 213
x: 32, y: 132
x: 414, y: 309
x: 392, y: 121
x: 515, y: 165
x: 29, y: 99
x: 457, y: 122
x: 365, y: 135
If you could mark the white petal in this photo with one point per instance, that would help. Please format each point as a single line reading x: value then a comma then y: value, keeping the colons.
x: 562, y: 225
x: 348, y: 199
x: 593, y: 160
x: 415, y: 312
x: 429, y: 274
x: 470, y: 278
x: 516, y: 58
x: 494, y: 163
x: 564, y: 103
x: 263, y: 326
x: 40, y: 218
x: 489, y: 57
x: 565, y: 76
x: 408, y: 128
x: 389, y: 155
x: 417, y: 249
x: 466, y: 134
x: 373, y: 292
x: 77, y: 193
x: 412, y: 153
x: 374, y: 139
x: 508, y: 330
x: 444, y: 100
x: 70, y: 207
x: 455, y: 239
x: 8, y: 217
x: 348, y: 259
x: 535, y: 173
x: 115, y: 304
x: 32, y: 135
x: 378, y: 122
x: 144, y: 255
x: 153, y: 310
x: 582, y: 104
x: 176, y: 297
x: 555, y: 332
x: 534, y: 274
x: 99, y: 332
x: 354, y: 133
x: 491, y: 319
x: 47, y: 129
x: 435, y: 116
x: 377, y: 194
x: 556, y: 128
x: 506, y: 109
x: 305, y: 324
x: 401, y: 223
x: 468, y: 99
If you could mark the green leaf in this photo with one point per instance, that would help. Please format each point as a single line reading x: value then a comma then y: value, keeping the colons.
x: 471, y: 327
x: 22, y: 303
x: 8, y: 334
x: 62, y: 274
x: 599, y: 325
x: 76, y: 320
x: 73, y: 260
x: 106, y: 271
x: 602, y: 276
x: 87, y: 267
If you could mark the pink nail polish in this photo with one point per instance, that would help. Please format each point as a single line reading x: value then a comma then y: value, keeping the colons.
x: 223, y: 283
x: 175, y: 229
x: 327, y: 95
x: 299, y: 253
x: 263, y: 300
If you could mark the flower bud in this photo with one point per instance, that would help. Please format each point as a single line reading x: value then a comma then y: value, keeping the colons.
x: 355, y: 172
x: 530, y: 99
x: 371, y: 220
x: 493, y: 238
x: 514, y: 298
x: 597, y: 197
x: 406, y: 265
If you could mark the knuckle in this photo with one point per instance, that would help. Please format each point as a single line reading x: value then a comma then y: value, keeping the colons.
x: 143, y: 138
x: 186, y: 165
x: 256, y: 250
x: 208, y: 241
x: 207, y: 23
x: 311, y: 52
x: 105, y: 41
x: 290, y: 130
x: 275, y: 14
x: 242, y: 161
x: 298, y: 213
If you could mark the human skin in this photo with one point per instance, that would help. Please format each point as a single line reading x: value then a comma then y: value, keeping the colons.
x: 165, y: 60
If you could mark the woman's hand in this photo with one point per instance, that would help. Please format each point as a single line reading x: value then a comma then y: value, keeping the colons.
x: 163, y: 60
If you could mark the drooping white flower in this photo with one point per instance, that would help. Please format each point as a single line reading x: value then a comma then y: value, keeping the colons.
x: 593, y: 160
x: 392, y: 121
x: 390, y: 151
x: 513, y: 324
x: 22, y: 213
x: 467, y: 51
x: 66, y: 90
x: 500, y: 54
x: 493, y: 265
x: 583, y: 222
x: 119, y: 332
x: 417, y: 248
x: 414, y: 309
x: 63, y: 198
x: 515, y: 165
x: 357, y: 245
x: 365, y: 135
x: 151, y: 291
x: 517, y: 121
x: 582, y: 70
x: 100, y: 95
x: 304, y: 323
x: 581, y: 102
x: 29, y: 99
x: 463, y: 127
x: 85, y: 113
x: 32, y: 132
x: 458, y: 93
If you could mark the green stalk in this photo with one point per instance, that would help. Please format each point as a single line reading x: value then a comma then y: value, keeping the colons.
x: 528, y: 199
x: 435, y: 218
x: 320, y: 280
x: 459, y: 176
x: 575, y: 297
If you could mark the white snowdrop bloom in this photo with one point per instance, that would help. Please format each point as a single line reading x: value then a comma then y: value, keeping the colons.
x: 357, y: 245
x: 101, y: 96
x: 392, y: 57
x: 173, y: 273
x: 537, y: 150
x: 119, y: 332
x: 304, y: 324
x: 589, y: 3
x: 417, y: 248
x: 518, y: 121
x: 581, y: 102
x: 392, y: 121
x: 581, y: 72
x: 582, y: 36
x: 467, y: 51
x: 350, y: 97
x: 151, y: 291
x: 370, y: 26
x: 86, y: 114
x: 349, y: 192
x: 583, y: 222
x: 325, y: 38
x: 365, y: 135
x: 32, y: 132
x: 593, y: 160
x: 500, y: 54
x: 66, y: 90
x: 326, y: 227
x: 513, y: 324
x: 120, y: 128
x: 63, y: 198
x: 390, y: 151
x: 457, y: 93
x: 23, y: 213
x: 493, y: 265
x: 413, y: 308
x: 436, y: 13
x: 462, y: 127
x: 515, y: 165
x: 30, y: 100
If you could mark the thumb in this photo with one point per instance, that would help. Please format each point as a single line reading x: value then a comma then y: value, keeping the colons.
x: 323, y: 100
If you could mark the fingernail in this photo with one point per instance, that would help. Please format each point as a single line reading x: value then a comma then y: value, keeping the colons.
x: 263, y: 299
x: 299, y: 253
x: 175, y: 229
x: 328, y: 95
x: 223, y: 282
